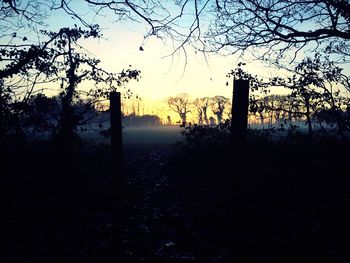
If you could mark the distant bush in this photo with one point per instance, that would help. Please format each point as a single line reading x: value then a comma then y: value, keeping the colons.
x: 200, y: 137
x: 205, y: 135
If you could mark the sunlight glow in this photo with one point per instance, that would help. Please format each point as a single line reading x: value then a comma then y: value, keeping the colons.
x: 163, y: 73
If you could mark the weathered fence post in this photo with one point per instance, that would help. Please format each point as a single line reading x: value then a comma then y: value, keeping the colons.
x: 240, y: 103
x: 239, y: 178
x: 116, y: 127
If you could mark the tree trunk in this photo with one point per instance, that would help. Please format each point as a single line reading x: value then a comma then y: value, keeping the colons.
x: 68, y: 118
x: 183, y: 118
x: 116, y: 127
x: 2, y: 126
x: 68, y: 123
x: 308, y: 115
x: 219, y: 117
x: 206, y: 117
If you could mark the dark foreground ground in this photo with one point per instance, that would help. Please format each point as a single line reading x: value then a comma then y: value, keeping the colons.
x: 264, y: 203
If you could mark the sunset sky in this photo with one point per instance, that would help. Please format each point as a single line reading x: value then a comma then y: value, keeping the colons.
x: 162, y: 74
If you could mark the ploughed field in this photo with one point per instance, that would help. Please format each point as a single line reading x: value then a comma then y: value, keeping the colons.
x: 170, y: 203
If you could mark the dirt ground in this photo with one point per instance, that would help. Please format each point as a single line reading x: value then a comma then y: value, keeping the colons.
x: 168, y: 204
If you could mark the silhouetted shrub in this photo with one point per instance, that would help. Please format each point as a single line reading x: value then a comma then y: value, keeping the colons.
x: 204, y: 135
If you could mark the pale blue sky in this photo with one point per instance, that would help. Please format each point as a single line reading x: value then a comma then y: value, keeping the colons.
x: 161, y: 75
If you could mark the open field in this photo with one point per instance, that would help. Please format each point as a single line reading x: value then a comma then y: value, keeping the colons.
x: 152, y: 135
x: 148, y: 135
x: 165, y: 135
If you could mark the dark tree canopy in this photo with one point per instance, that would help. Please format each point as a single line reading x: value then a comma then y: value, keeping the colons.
x: 33, y: 55
x: 276, y: 26
x: 281, y: 25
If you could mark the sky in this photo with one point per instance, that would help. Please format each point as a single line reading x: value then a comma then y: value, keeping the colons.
x: 162, y: 74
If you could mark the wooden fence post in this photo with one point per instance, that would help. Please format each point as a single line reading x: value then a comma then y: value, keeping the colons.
x: 240, y: 103
x: 116, y: 127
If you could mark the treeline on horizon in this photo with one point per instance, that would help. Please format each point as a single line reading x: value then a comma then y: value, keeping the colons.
x: 314, y: 108
x: 316, y: 85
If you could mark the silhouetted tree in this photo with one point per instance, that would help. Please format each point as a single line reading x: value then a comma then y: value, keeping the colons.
x: 315, y: 87
x: 181, y: 105
x: 49, y: 57
x: 59, y: 58
x: 277, y: 26
x: 281, y: 26
x: 218, y: 105
x: 202, y: 106
x: 168, y: 118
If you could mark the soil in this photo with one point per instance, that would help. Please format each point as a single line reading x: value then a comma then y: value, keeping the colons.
x: 173, y: 205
